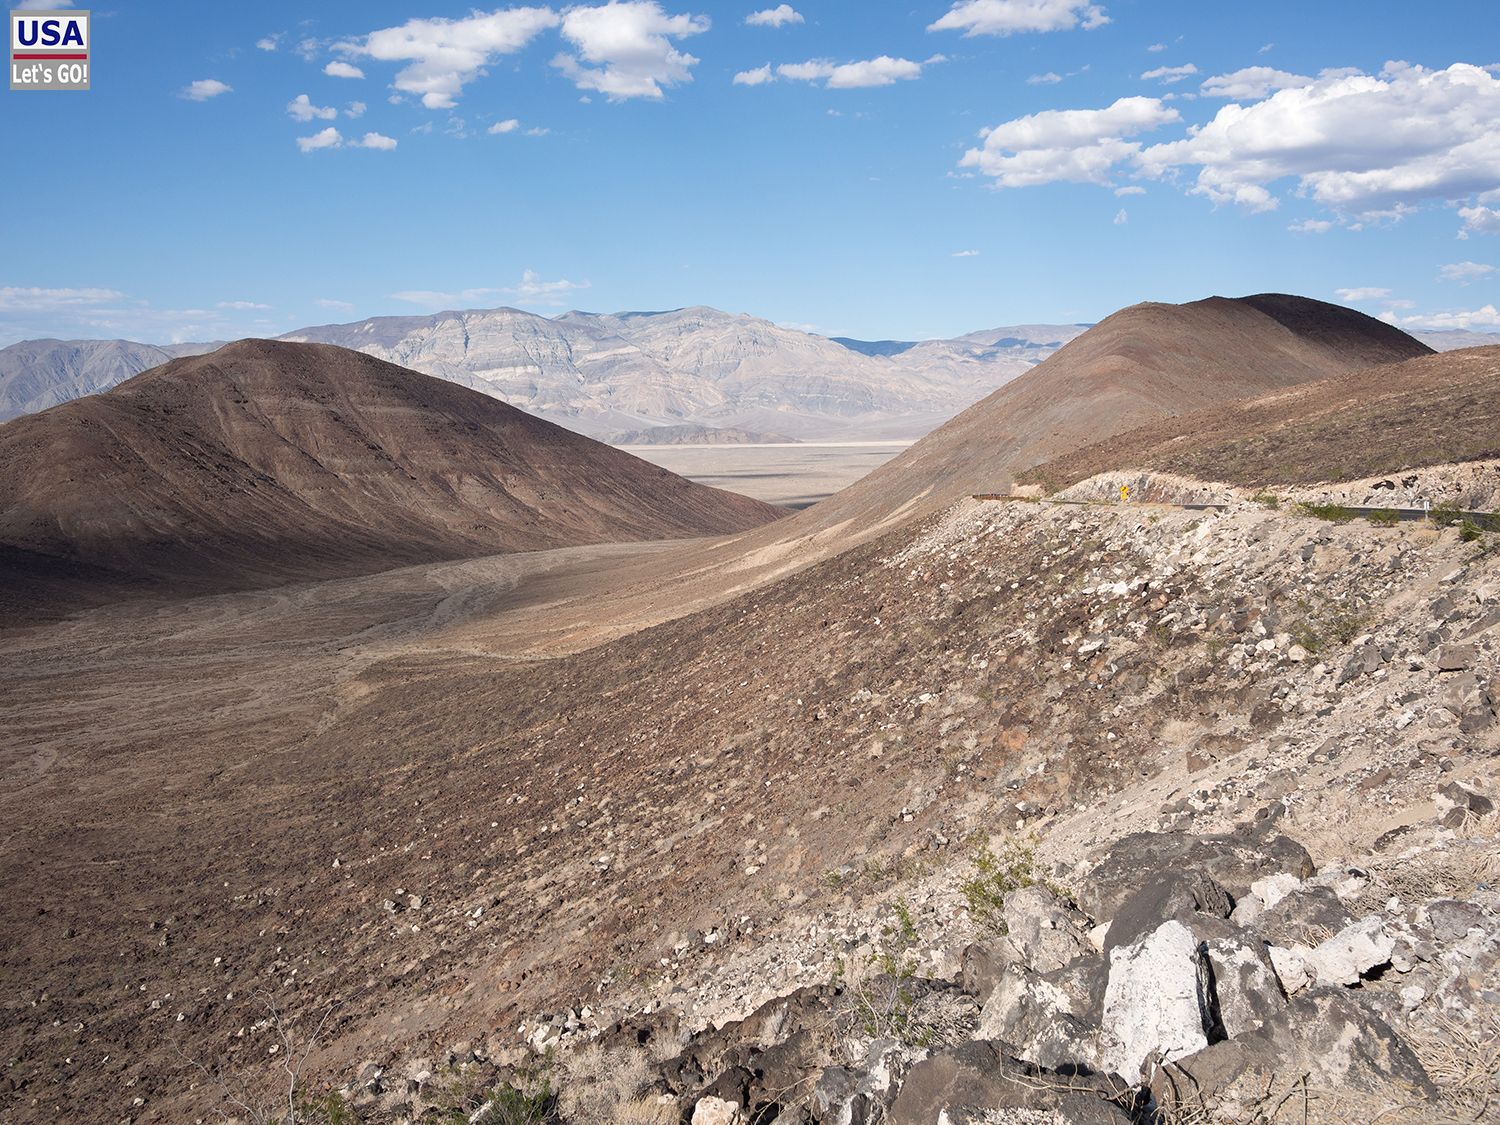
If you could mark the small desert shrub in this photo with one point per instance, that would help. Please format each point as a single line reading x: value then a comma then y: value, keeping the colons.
x: 1384, y: 517
x: 1333, y: 513
x: 1267, y: 500
x: 326, y: 1109
x: 997, y: 874
x: 1446, y: 514
x: 883, y: 1004
x: 1470, y: 532
x: 510, y: 1105
x: 604, y: 1087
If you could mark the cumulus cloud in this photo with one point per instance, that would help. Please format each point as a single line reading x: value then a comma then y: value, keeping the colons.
x: 966, y: 253
x: 240, y: 306
x: 1132, y: 189
x: 443, y: 55
x: 627, y: 46
x: 1367, y: 293
x: 881, y: 71
x: 778, y: 16
x: 203, y: 89
x: 268, y: 43
x: 757, y: 77
x: 326, y: 138
x: 1484, y: 220
x: 1252, y: 83
x: 355, y: 109
x: 1049, y: 79
x: 301, y: 108
x: 1170, y: 74
x: 1008, y: 17
x: 1073, y: 145
x: 510, y: 125
x: 537, y: 131
x: 1464, y: 272
x: 1311, y: 226
x: 1370, y: 146
x: 1121, y: 217
x: 376, y: 141
x: 340, y: 69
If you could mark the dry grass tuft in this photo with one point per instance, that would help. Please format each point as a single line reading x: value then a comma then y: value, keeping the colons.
x: 609, y: 1088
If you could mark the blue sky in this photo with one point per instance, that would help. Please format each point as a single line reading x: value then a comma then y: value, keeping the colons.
x: 878, y: 170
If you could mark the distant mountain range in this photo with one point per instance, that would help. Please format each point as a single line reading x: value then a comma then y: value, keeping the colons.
x: 623, y: 373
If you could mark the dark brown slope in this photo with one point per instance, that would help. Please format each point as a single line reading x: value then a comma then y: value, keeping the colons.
x: 1429, y: 411
x: 269, y: 460
x: 1143, y: 363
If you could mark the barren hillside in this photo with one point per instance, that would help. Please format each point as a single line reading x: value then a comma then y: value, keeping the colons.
x: 1429, y: 411
x: 272, y: 460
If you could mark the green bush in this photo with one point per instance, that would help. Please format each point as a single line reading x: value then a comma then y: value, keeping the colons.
x: 1267, y: 500
x: 1446, y: 514
x: 1384, y: 517
x: 1470, y: 532
x: 1333, y: 513
x: 997, y: 875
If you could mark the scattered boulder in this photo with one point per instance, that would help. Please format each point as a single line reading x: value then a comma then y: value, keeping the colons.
x: 718, y: 1111
x: 1046, y: 932
x: 1184, y: 895
x: 1157, y: 1000
x: 1246, y: 989
x: 963, y: 1081
x: 1352, y: 952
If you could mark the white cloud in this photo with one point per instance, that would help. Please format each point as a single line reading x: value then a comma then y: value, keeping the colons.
x: 966, y: 253
x: 1252, y: 83
x: 1133, y: 189
x: 778, y: 16
x: 629, y: 44
x: 510, y: 125
x: 1051, y: 78
x: 1008, y: 17
x: 355, y: 109
x: 268, y: 43
x: 537, y: 131
x: 302, y: 109
x: 443, y: 55
x: 29, y: 299
x: 340, y: 69
x: 240, y: 306
x: 1170, y: 74
x: 1121, y: 217
x: 757, y: 77
x: 1157, y: 48
x: 531, y: 289
x: 1484, y: 220
x: 203, y: 89
x: 1074, y: 145
x: 376, y: 141
x: 1469, y: 319
x: 327, y: 138
x: 1367, y: 293
x: 1266, y: 48
x: 1369, y: 146
x: 337, y: 306
x: 881, y: 71
x: 1464, y: 272
x: 1311, y: 226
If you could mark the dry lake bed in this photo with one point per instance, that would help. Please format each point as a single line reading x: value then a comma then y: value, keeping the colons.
x: 796, y: 475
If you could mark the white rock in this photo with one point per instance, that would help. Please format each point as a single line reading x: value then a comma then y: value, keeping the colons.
x: 717, y: 1111
x: 1353, y: 951
x: 1291, y: 967
x: 1155, y: 1000
x: 1273, y: 888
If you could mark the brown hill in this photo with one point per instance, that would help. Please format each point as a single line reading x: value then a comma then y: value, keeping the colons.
x: 1143, y: 363
x: 269, y: 460
x: 1434, y: 410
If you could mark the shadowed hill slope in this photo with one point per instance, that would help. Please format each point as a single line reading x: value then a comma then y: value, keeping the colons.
x: 269, y: 460
x: 1429, y: 411
x: 1145, y: 362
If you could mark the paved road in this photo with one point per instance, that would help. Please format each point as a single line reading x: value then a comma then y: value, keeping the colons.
x: 1489, y: 521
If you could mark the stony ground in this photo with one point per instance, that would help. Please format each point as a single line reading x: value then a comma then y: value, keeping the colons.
x: 700, y: 818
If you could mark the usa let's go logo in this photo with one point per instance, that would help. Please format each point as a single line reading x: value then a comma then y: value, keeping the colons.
x: 49, y: 50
